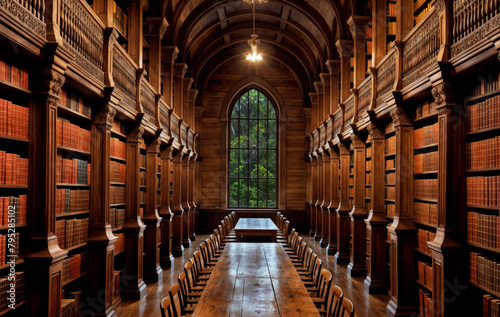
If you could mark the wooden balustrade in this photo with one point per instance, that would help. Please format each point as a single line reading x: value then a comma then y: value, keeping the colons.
x: 35, y: 7
x: 322, y: 136
x: 29, y: 13
x: 148, y: 102
x: 337, y: 123
x: 184, y: 134
x: 83, y: 32
x: 329, y: 130
x: 315, y: 136
x: 421, y: 47
x: 364, y: 97
x: 124, y: 76
x: 473, y: 20
x: 164, y: 116
x: 190, y: 143
x: 349, y: 112
x: 175, y: 129
x: 386, y: 75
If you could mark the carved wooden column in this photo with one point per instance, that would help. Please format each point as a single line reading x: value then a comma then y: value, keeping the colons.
x: 357, y: 267
x: 376, y: 224
x: 307, y: 114
x: 402, y: 231
x: 152, y: 269
x: 358, y: 26
x: 197, y: 183
x: 101, y: 239
x: 344, y: 47
x: 177, y: 247
x: 169, y: 55
x: 327, y: 191
x: 449, y: 259
x: 166, y: 257
x: 135, y: 35
x: 332, y: 215
x: 343, y: 221
x: 192, y: 203
x: 186, y: 242
x: 320, y: 185
x: 379, y: 25
x: 157, y: 27
x: 44, y: 256
x: 134, y: 227
x: 179, y: 72
x: 314, y: 181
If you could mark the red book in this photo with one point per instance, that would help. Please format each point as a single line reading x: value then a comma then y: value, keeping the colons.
x: 59, y: 132
x: 15, y: 75
x: 2, y: 167
x: 9, y: 175
x: 66, y: 136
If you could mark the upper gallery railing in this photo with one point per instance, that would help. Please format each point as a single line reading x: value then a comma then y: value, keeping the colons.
x: 148, y: 102
x: 386, y: 76
x: 364, y: 97
x: 349, y: 112
x: 30, y: 13
x: 83, y: 31
x: 124, y: 77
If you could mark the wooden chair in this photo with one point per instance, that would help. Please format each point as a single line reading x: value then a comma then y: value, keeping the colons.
x: 322, y: 292
x: 213, y: 247
x: 165, y: 308
x: 201, y: 268
x: 306, y: 260
x: 346, y: 309
x: 311, y: 279
x: 307, y: 270
x: 206, y: 258
x: 335, y: 302
x: 289, y: 239
x: 301, y: 254
x: 177, y: 303
x: 291, y: 249
x: 283, y: 238
x: 194, y: 285
x: 298, y: 249
x: 187, y: 296
x: 199, y: 276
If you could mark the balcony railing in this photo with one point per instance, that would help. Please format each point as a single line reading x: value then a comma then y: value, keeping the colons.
x: 473, y: 21
x: 364, y: 97
x: 83, y: 33
x: 421, y: 47
x: 30, y: 13
x: 164, y: 116
x: 124, y: 76
x: 386, y: 75
x: 349, y: 112
x: 148, y: 102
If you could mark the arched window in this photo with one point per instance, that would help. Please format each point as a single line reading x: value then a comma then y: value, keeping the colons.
x: 253, y: 152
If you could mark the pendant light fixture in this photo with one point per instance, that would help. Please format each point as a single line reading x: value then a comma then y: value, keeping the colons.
x: 254, y: 56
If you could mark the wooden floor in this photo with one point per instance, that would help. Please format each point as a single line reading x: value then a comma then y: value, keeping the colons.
x: 366, y: 305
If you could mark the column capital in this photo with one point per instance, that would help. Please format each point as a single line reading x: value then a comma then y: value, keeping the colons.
x: 400, y: 117
x: 307, y: 112
x: 443, y: 94
x: 375, y: 132
x: 157, y: 26
x: 154, y: 146
x: 319, y: 87
x: 192, y: 94
x: 357, y: 141
x: 325, y: 79
x: 188, y: 81
x: 169, y: 53
x: 105, y: 115
x: 344, y: 149
x: 358, y: 25
x: 333, y: 66
x: 345, y: 47
x: 135, y: 135
x: 180, y: 69
x: 198, y: 110
x: 314, y: 98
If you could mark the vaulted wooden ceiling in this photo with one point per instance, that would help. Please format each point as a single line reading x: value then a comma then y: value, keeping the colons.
x: 300, y: 34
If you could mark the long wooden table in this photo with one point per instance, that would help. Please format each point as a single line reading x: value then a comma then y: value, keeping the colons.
x: 256, y: 227
x: 255, y: 279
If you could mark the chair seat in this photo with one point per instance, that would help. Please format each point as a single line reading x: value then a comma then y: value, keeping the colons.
x: 197, y: 289
x: 203, y: 277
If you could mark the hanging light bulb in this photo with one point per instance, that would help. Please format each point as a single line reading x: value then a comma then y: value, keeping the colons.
x: 254, y: 56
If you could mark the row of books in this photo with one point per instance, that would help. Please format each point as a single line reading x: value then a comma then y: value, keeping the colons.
x: 72, y: 171
x: 483, y: 154
x: 483, y: 229
x: 5, y: 287
x: 118, y: 148
x: 12, y: 73
x: 73, y: 101
x: 68, y: 307
x: 425, y: 213
x: 425, y: 273
x: 426, y: 304
x: 142, y: 178
x: 483, y: 191
x: 14, y: 119
x: 118, y: 172
x: 143, y: 160
x: 486, y: 83
x: 423, y: 13
x: 423, y: 236
x: 390, y: 178
x: 484, y: 115
x: 368, y: 192
x: 73, y: 136
x: 368, y: 179
x: 120, y: 19
x: 117, y: 195
x: 491, y: 306
x: 391, y: 9
x: 72, y: 200
x: 368, y: 166
x: 390, y: 193
x: 426, y: 162
x: 426, y: 136
x: 485, y: 272
x: 18, y: 204
x: 116, y: 283
x: 425, y: 189
x: 74, y: 266
x: 390, y: 145
x: 8, y: 249
x: 390, y: 210
x: 117, y: 217
x: 391, y: 28
x: 13, y: 169
x: 390, y: 164
x: 426, y: 108
x: 120, y: 243
x: 72, y: 232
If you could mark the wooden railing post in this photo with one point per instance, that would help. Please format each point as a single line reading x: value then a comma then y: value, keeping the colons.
x: 179, y: 72
x: 134, y: 227
x: 358, y: 26
x: 376, y: 224
x: 157, y: 27
x: 379, y: 25
x: 52, y: 20
x: 357, y: 266
x: 402, y: 231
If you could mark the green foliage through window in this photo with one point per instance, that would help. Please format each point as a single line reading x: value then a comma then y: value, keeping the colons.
x: 253, y: 152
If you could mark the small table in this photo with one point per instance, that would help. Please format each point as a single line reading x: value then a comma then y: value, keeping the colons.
x: 255, y: 279
x: 256, y: 227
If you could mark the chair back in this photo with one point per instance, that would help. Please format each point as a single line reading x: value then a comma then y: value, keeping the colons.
x: 306, y: 262
x: 302, y: 251
x: 316, y: 270
x: 198, y: 261
x: 183, y: 282
x: 325, y: 281
x: 165, y: 308
x: 347, y: 308
x: 285, y: 228
x: 204, y: 252
x: 176, y: 301
x: 336, y: 301
x: 290, y: 236
x: 191, y: 274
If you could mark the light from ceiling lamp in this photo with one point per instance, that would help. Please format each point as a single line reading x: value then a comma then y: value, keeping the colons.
x: 254, y: 56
